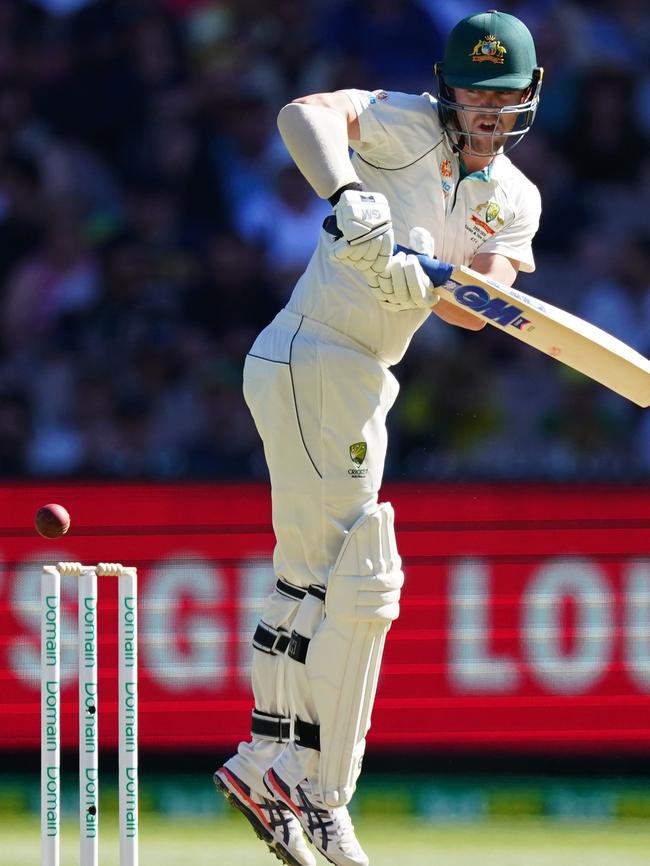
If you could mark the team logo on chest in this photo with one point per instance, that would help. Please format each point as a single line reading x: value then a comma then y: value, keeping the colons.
x: 485, y: 220
x: 492, y: 212
x: 489, y: 48
x: 358, y: 451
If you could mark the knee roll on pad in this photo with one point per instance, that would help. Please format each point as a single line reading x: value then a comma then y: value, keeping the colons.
x: 344, y: 656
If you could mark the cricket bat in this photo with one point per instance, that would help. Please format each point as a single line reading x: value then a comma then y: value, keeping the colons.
x: 565, y: 337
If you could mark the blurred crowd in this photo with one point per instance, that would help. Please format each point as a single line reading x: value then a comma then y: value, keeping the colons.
x: 151, y: 223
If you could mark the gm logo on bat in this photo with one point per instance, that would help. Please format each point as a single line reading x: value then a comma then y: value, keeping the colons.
x: 479, y: 300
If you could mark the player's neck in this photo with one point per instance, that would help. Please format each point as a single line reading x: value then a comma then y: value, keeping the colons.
x: 475, y: 163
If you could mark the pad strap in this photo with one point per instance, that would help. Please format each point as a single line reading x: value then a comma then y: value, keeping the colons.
x: 297, y: 593
x: 298, y: 646
x: 307, y: 734
x: 271, y: 640
x: 267, y: 726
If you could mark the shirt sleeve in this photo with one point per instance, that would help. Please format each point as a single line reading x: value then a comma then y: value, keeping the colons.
x: 515, y: 240
x: 396, y: 128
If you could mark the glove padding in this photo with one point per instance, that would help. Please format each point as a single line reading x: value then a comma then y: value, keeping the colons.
x: 365, y: 222
x: 404, y: 285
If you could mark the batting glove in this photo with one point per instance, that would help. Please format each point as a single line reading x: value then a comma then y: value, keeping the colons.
x: 403, y: 286
x: 364, y: 220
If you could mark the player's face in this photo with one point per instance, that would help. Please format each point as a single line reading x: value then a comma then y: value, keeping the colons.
x: 485, y: 117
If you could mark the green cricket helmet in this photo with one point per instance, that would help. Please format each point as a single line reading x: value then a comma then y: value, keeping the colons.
x: 488, y: 51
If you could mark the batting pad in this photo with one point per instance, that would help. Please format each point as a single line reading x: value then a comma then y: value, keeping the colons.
x: 344, y: 657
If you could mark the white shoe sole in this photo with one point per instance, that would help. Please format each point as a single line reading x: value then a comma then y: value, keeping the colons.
x: 278, y: 790
x: 238, y: 795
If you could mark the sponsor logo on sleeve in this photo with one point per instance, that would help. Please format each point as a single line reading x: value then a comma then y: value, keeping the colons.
x: 446, y: 172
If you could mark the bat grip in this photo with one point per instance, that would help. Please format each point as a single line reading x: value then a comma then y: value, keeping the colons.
x: 437, y: 271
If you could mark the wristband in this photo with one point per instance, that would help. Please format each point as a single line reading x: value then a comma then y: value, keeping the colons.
x: 333, y: 199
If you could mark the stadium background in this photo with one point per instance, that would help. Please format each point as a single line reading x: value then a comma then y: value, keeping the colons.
x: 150, y: 224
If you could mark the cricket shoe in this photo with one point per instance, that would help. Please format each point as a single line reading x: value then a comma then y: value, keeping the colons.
x: 329, y: 830
x: 273, y: 821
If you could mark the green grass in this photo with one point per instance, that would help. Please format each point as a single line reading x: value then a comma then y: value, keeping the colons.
x: 402, y: 842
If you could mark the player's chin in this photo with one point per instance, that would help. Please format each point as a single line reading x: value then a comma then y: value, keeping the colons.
x: 486, y: 145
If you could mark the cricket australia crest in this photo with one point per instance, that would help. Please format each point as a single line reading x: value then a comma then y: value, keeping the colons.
x: 358, y: 452
x: 489, y: 48
x: 482, y: 215
x: 492, y: 211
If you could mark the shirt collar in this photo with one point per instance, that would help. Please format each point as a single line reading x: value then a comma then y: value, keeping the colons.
x: 484, y: 174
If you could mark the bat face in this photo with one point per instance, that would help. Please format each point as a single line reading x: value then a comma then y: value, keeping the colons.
x: 479, y: 299
x: 565, y: 337
x: 551, y: 330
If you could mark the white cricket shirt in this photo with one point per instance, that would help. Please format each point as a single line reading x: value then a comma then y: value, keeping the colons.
x: 404, y: 154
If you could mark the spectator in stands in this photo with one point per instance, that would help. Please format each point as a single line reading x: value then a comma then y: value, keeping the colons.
x: 142, y: 205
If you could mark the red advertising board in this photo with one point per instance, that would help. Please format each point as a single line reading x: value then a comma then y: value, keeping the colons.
x: 525, y: 619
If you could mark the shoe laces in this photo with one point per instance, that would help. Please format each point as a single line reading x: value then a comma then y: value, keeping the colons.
x: 338, y: 819
x: 279, y: 816
x: 344, y: 828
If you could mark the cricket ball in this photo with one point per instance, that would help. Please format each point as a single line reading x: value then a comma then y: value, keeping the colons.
x: 52, y: 521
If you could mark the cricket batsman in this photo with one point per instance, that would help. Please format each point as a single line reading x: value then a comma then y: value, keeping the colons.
x: 318, y: 383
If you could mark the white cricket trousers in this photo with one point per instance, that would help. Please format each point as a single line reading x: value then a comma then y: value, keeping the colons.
x: 319, y: 401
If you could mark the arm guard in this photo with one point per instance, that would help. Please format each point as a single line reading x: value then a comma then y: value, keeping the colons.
x: 317, y: 139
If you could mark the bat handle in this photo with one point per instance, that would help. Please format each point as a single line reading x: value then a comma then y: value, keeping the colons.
x: 437, y: 271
